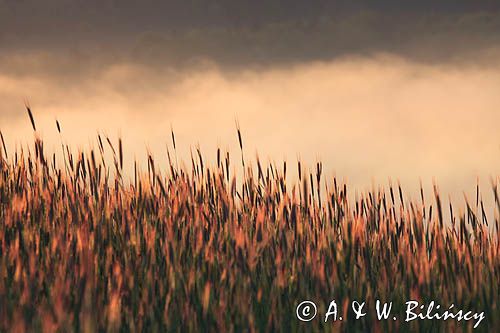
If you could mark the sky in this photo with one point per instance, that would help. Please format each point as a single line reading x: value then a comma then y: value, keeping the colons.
x: 406, y: 90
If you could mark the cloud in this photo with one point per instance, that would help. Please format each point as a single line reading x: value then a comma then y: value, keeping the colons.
x: 365, y: 118
x: 240, y: 34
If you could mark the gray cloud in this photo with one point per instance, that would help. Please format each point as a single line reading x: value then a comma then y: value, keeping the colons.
x: 71, y: 44
x: 247, y: 33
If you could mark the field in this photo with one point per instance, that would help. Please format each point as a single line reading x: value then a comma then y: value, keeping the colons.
x: 83, y: 247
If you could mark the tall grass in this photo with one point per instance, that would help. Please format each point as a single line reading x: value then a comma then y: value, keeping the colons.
x: 82, y: 248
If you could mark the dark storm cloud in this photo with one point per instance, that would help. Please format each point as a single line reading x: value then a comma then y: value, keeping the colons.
x: 242, y: 33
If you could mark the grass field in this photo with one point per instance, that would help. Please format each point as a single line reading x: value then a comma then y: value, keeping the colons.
x: 85, y: 248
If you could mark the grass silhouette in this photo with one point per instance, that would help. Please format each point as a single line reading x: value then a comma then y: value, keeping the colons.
x: 183, y: 249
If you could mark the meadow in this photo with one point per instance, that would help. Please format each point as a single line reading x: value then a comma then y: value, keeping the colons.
x: 84, y: 247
